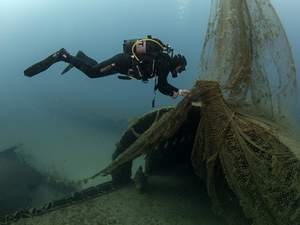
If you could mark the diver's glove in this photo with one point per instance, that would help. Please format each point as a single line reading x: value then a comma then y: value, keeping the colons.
x: 183, y: 92
x: 180, y: 92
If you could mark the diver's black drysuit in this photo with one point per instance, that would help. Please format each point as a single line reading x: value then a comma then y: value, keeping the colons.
x: 121, y: 63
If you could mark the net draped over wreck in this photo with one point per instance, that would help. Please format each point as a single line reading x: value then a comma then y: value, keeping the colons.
x: 246, y: 144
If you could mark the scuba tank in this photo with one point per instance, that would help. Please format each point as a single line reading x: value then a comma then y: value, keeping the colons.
x: 143, y: 49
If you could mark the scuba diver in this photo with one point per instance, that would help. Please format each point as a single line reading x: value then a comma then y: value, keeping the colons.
x: 141, y: 59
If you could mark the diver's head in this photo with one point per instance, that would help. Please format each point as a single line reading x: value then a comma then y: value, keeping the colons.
x: 178, y: 64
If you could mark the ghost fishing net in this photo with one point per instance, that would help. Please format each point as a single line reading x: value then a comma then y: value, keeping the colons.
x: 247, y: 145
x: 246, y: 50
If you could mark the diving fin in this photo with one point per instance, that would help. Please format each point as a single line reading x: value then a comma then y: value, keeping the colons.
x: 41, y: 66
x: 69, y: 67
x: 82, y: 56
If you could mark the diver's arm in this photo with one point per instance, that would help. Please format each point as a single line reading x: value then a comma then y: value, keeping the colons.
x: 162, y: 73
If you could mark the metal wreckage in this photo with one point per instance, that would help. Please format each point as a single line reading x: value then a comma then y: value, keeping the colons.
x: 235, y: 127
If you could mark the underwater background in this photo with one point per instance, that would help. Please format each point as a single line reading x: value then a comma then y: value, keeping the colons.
x: 68, y: 124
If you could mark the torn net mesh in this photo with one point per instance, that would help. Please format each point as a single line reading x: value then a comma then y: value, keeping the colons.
x: 246, y: 130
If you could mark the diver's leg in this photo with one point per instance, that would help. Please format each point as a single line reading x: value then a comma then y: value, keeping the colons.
x: 85, y: 65
x: 83, y: 56
x: 63, y: 55
x: 41, y: 66
x: 119, y: 63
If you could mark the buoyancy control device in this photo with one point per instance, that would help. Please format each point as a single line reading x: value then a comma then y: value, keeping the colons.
x: 144, y: 50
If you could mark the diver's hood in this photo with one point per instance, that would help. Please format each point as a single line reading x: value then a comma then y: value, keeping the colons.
x: 178, y: 60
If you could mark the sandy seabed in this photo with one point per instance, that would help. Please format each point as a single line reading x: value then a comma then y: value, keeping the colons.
x: 77, y: 148
x: 172, y: 197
